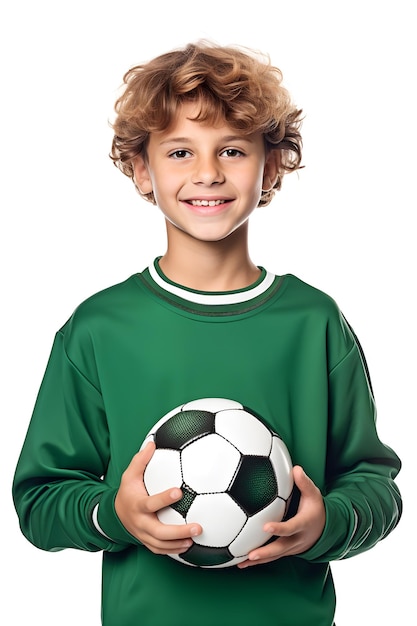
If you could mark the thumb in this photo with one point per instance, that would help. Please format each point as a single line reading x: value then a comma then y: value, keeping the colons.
x: 140, y: 460
x: 303, y: 482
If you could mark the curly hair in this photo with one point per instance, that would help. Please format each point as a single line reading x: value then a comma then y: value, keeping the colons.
x: 230, y: 84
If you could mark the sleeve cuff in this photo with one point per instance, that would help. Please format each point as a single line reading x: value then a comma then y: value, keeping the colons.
x: 108, y: 524
x: 341, y: 522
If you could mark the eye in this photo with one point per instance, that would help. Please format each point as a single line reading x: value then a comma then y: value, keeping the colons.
x: 179, y: 154
x: 232, y: 153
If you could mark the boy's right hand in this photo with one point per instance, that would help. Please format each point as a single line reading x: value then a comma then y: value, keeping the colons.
x: 137, y: 510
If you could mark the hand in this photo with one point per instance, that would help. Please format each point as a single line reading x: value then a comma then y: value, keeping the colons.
x: 297, y: 534
x: 137, y: 510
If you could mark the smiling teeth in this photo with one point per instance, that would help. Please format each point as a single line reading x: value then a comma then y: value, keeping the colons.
x: 207, y: 202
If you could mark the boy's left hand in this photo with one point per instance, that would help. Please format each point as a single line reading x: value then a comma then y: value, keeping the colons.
x: 297, y: 534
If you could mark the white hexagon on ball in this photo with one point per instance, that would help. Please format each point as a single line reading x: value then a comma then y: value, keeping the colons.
x: 214, y: 405
x: 217, y: 531
x: 282, y: 464
x: 164, y: 472
x: 244, y: 431
x: 253, y: 535
x: 216, y: 472
x: 168, y: 515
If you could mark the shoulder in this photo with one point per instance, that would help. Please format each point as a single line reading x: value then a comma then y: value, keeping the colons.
x: 305, y: 296
x: 321, y: 315
x: 102, y: 307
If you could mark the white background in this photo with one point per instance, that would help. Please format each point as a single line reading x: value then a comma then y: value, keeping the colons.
x: 72, y: 224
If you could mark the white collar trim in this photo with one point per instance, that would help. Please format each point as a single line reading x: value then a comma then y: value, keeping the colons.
x: 214, y: 298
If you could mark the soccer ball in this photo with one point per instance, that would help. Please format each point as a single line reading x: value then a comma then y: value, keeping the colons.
x: 235, y: 474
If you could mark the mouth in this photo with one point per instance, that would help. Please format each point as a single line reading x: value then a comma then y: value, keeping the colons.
x: 206, y: 203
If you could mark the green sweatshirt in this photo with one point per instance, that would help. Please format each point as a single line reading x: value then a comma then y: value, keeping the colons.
x: 133, y: 352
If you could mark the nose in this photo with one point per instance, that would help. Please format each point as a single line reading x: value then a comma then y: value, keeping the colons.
x: 207, y: 171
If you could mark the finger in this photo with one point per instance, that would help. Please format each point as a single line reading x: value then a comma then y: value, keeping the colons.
x: 283, y: 529
x: 167, y: 547
x: 140, y: 460
x: 167, y: 538
x: 158, y: 501
x: 296, y: 524
x: 176, y: 532
x: 280, y: 548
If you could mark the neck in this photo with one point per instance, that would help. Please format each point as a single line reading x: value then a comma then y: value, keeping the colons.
x: 209, y: 265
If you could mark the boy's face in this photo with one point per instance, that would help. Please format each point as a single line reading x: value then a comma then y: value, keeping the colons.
x: 206, y: 180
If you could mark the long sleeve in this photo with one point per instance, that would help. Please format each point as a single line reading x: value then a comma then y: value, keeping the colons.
x: 363, y: 504
x: 58, y: 479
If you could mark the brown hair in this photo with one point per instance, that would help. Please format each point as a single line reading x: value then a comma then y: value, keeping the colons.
x: 230, y: 84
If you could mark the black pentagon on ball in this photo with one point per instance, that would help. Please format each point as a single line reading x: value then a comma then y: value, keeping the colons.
x: 183, y: 428
x: 206, y: 556
x: 183, y: 505
x: 255, y: 485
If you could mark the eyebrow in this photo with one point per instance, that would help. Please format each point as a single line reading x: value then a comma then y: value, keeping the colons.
x: 226, y: 139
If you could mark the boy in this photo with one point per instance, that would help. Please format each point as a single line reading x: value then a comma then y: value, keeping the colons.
x: 206, y: 133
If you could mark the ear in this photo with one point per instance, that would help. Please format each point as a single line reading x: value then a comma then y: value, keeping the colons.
x: 271, y: 170
x: 141, y: 176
